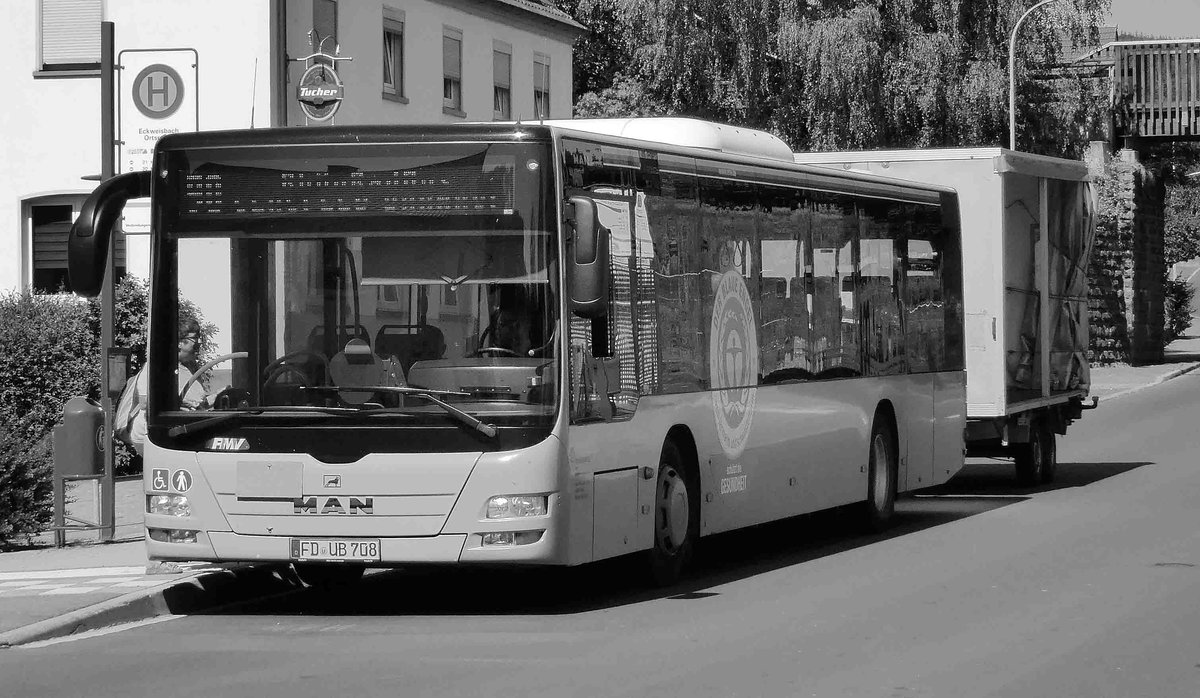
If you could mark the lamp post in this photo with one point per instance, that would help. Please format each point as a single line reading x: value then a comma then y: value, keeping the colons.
x: 1012, y: 75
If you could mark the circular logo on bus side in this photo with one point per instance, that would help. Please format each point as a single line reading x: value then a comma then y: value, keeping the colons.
x: 733, y: 362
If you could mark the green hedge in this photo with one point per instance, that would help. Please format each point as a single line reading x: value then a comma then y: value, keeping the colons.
x: 49, y: 353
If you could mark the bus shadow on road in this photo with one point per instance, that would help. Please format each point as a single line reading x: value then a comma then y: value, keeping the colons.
x: 722, y: 559
x: 992, y: 477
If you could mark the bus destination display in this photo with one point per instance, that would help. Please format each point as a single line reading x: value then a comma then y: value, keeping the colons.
x: 232, y: 191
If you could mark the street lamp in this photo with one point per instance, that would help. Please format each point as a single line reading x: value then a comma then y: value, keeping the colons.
x: 1012, y: 75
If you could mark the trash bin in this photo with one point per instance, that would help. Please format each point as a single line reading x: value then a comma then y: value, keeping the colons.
x: 79, y: 441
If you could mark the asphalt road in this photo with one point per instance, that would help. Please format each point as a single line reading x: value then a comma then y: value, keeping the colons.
x: 1090, y: 587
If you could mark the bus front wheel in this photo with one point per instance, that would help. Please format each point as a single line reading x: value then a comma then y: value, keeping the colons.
x: 676, y: 517
x: 881, y: 476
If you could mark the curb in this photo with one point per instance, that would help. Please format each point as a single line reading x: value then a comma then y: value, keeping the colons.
x: 196, y: 593
x: 1187, y: 368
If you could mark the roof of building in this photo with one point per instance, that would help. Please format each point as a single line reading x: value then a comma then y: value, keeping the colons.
x: 543, y: 8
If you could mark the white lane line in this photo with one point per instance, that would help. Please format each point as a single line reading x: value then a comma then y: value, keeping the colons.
x: 82, y: 572
x: 100, y: 632
x: 71, y: 591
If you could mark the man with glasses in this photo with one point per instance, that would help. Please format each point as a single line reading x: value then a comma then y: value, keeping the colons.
x: 196, y: 398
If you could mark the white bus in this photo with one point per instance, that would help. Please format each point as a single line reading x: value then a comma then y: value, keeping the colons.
x: 532, y: 344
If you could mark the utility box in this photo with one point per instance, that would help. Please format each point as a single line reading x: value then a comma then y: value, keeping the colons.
x: 79, y: 441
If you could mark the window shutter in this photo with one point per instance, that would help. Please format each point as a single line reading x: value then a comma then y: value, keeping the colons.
x: 452, y: 57
x: 501, y: 69
x: 70, y: 32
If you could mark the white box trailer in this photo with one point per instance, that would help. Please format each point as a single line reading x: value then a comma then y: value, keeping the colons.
x: 1025, y: 293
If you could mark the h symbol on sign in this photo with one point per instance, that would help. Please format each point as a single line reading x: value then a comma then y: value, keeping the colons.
x: 164, y: 91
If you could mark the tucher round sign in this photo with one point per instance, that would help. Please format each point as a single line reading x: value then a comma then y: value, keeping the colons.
x: 320, y: 92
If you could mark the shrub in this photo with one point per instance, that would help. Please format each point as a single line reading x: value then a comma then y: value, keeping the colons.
x: 47, y: 355
x: 26, y: 491
x: 1178, y: 312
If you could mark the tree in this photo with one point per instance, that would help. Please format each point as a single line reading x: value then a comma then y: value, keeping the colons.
x: 846, y: 74
x: 602, y: 53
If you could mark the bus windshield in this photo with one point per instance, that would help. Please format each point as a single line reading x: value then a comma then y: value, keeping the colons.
x: 396, y: 285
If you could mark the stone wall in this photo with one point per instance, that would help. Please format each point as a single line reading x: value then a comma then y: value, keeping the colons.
x: 1125, y: 274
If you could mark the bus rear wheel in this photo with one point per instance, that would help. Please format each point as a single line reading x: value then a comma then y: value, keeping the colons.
x: 324, y: 576
x: 881, y: 476
x: 676, y: 517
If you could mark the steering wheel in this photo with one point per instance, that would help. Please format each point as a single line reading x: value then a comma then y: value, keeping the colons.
x: 283, y: 370
x: 200, y: 371
x: 270, y: 370
x: 494, y: 351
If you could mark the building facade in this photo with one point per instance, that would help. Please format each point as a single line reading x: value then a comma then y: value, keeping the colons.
x: 237, y: 64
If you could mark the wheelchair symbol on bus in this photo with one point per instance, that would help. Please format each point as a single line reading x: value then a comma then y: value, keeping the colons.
x: 158, y: 480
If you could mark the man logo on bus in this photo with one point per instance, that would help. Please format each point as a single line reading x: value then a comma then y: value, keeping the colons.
x: 733, y: 362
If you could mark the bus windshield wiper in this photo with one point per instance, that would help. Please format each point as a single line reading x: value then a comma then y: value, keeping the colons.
x: 225, y: 416
x: 488, y: 430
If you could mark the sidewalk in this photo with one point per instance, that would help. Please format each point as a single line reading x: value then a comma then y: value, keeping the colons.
x: 48, y: 592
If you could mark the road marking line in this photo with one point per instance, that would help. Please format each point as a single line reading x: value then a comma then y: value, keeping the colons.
x: 68, y: 591
x: 82, y: 572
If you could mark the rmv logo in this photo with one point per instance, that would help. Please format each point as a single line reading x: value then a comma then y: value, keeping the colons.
x: 228, y: 443
x: 333, y: 505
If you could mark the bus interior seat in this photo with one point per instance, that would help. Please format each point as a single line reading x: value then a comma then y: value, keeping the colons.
x: 430, y: 344
x: 316, y: 337
x: 399, y: 342
x: 356, y: 364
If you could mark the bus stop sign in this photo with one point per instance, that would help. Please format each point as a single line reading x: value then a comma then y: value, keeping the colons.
x: 156, y: 95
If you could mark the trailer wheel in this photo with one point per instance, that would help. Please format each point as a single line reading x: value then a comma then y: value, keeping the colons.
x: 1030, y: 458
x: 1049, y: 454
x: 881, y: 477
x: 676, y: 517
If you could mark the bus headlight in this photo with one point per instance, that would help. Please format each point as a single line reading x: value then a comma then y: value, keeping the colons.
x: 172, y: 535
x: 510, y: 538
x: 515, y: 506
x: 169, y: 504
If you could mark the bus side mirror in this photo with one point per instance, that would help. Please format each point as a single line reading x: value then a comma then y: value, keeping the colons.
x: 587, y: 263
x: 87, y: 247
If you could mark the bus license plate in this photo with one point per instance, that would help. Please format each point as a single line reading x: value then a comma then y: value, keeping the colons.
x: 335, y: 549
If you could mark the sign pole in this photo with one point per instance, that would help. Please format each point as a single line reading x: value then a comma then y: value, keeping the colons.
x: 108, y: 489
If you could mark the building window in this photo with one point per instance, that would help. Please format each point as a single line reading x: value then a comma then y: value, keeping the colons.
x: 502, y: 81
x: 393, y: 54
x: 452, y: 71
x: 324, y: 25
x: 541, y: 86
x: 50, y: 229
x: 69, y: 35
